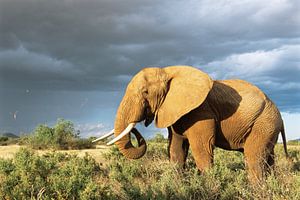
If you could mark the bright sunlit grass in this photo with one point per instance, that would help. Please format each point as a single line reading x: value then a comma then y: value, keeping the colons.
x: 56, y: 175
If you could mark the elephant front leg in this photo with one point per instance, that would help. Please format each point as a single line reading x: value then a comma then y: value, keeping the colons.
x: 178, y: 148
x: 201, y: 137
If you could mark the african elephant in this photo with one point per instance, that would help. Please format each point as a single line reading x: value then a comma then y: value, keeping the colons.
x: 200, y: 113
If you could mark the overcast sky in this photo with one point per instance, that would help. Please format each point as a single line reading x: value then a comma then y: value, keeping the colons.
x: 72, y: 59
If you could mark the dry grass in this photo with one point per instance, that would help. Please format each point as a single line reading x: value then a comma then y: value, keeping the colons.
x: 8, y: 152
x: 60, y: 176
x: 294, y: 147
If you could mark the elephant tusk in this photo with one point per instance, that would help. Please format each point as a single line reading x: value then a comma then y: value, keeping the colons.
x: 104, y: 136
x: 125, y: 132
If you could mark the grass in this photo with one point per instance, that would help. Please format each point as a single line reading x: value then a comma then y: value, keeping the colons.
x: 8, y: 152
x: 55, y: 175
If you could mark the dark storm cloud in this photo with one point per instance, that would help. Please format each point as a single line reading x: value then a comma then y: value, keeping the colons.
x: 91, y: 43
x: 49, y: 47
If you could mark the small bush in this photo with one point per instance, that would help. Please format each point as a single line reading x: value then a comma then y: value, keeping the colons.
x: 79, y: 143
x: 52, y: 176
x: 42, y: 138
x: 3, y: 139
x: 62, y: 136
x: 293, y: 142
x: 159, y: 138
x: 62, y: 176
x: 154, y: 177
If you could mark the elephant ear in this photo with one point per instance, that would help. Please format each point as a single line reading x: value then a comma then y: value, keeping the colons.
x: 188, y: 88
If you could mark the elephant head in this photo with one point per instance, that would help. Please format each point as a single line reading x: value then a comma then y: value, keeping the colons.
x: 160, y: 94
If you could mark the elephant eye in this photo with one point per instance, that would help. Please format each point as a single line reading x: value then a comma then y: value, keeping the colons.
x: 145, y: 93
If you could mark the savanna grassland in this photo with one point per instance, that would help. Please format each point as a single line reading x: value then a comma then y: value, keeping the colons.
x: 36, y: 174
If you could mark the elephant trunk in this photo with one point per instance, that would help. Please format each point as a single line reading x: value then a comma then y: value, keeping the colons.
x: 125, y: 116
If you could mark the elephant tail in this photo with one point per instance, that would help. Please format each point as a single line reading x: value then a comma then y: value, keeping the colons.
x: 284, y: 141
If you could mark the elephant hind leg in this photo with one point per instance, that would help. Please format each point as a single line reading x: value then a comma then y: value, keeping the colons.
x: 259, y: 163
x: 259, y: 145
x: 254, y: 160
x: 254, y: 166
x: 270, y: 162
x: 259, y: 156
x: 271, y: 155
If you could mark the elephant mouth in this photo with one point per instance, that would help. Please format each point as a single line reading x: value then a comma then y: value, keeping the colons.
x: 148, y: 120
x: 149, y: 116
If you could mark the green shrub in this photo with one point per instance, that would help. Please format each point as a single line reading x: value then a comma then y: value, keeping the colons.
x: 62, y: 136
x: 3, y: 139
x: 62, y: 176
x: 159, y: 138
x: 42, y: 137
x: 64, y: 131
x: 294, y: 142
x: 51, y: 176
x: 154, y: 177
x: 80, y: 143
